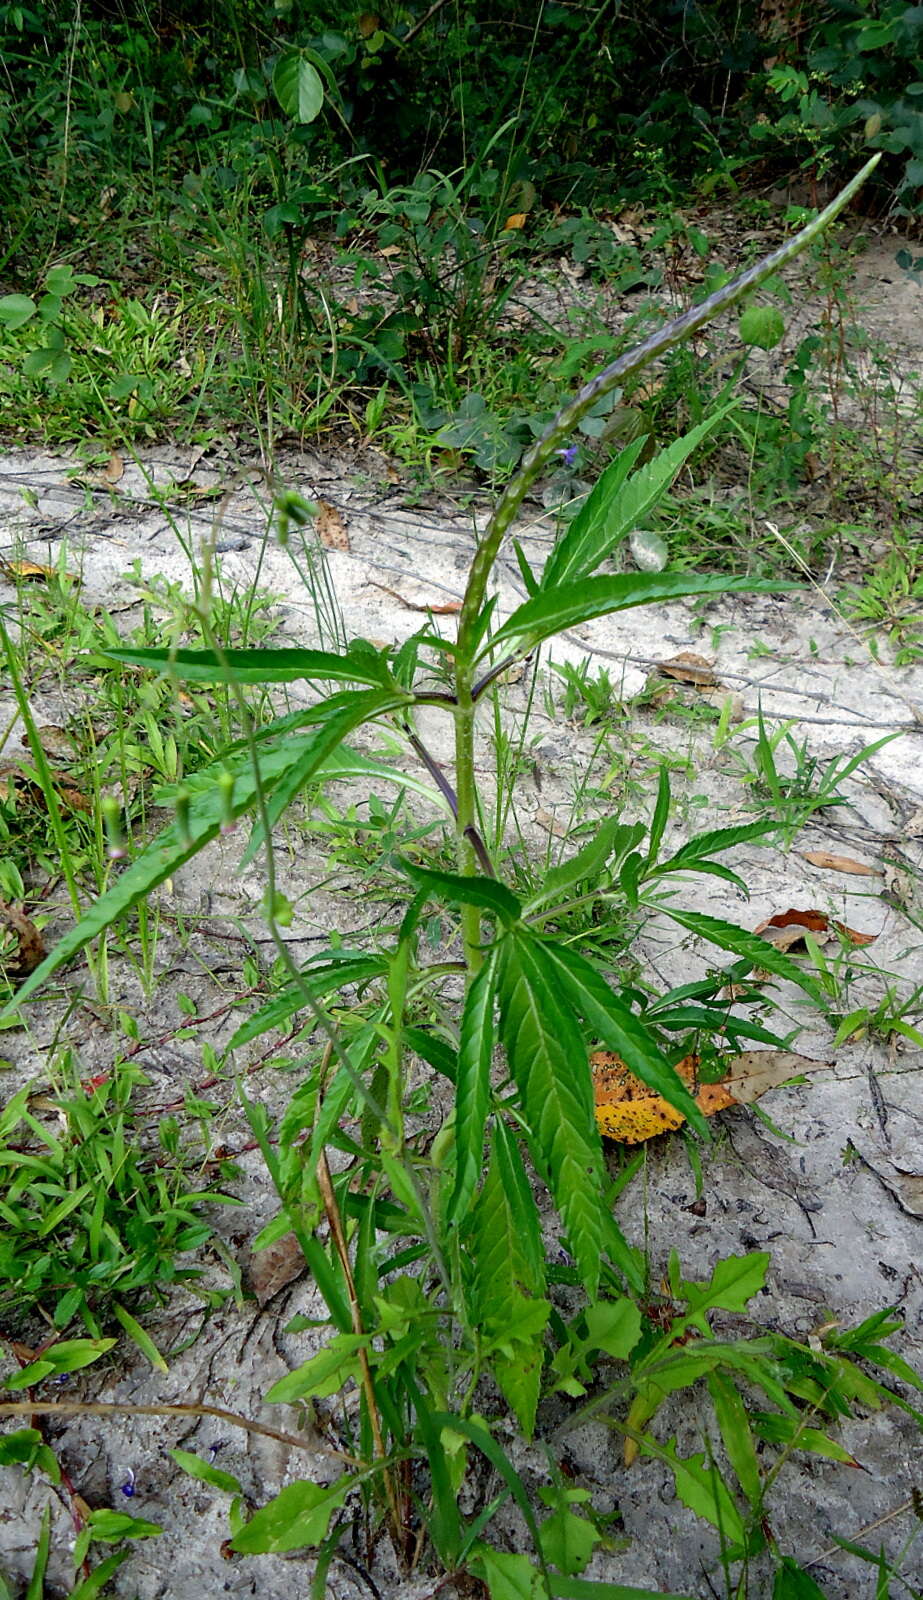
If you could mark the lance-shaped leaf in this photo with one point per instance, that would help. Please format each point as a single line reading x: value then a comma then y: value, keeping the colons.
x: 507, y: 1306
x: 548, y: 1060
x: 618, y: 503
x: 210, y: 806
x: 358, y: 707
x: 759, y: 952
x: 472, y: 1088
x: 459, y: 889
x: 573, y: 603
x: 612, y: 840
x: 623, y: 1032
x: 336, y: 970
x: 260, y: 666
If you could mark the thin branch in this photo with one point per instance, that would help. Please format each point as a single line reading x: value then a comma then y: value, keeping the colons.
x: 101, y: 1408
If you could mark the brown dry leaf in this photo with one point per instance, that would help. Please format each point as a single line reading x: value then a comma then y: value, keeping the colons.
x: 687, y: 667
x: 331, y: 529
x: 115, y: 467
x: 514, y: 222
x: 906, y: 1187
x: 450, y: 609
x: 786, y: 930
x: 56, y: 742
x: 628, y: 1111
x: 30, y: 949
x: 823, y: 858
x: 273, y: 1269
x: 368, y: 24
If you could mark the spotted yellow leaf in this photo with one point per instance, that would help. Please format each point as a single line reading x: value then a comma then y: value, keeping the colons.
x: 628, y: 1111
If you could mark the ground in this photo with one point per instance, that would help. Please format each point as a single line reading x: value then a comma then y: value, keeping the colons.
x: 831, y: 1187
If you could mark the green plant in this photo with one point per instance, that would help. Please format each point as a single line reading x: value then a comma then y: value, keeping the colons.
x: 51, y: 360
x: 810, y: 786
x: 96, y: 1219
x: 435, y: 1273
x: 889, y: 598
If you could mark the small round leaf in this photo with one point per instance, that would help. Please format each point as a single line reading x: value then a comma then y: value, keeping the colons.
x: 763, y: 326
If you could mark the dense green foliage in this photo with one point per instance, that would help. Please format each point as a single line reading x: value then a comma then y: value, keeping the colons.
x: 580, y: 101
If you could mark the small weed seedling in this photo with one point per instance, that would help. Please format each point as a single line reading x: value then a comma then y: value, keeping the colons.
x: 433, y: 1265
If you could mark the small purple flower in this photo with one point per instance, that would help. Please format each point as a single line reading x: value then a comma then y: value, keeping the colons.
x: 128, y: 1487
x: 568, y: 454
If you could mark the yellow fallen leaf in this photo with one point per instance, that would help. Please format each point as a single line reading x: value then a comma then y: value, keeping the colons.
x: 628, y: 1111
x: 517, y: 220
x: 30, y: 571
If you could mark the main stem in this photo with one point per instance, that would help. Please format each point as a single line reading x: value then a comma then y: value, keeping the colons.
x: 534, y: 462
x: 466, y: 815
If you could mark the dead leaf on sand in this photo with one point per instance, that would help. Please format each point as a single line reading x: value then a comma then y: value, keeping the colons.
x: 823, y: 858
x: 787, y: 930
x: 687, y: 667
x: 628, y: 1111
x: 273, y: 1269
x: 331, y: 529
x: 30, y: 947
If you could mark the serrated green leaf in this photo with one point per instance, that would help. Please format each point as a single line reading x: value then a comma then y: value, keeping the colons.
x: 620, y: 1029
x: 612, y: 839
x: 734, y: 1423
x: 508, y: 1576
x: 510, y: 1317
x: 459, y: 889
x: 793, y: 1435
x: 530, y: 1245
x: 353, y: 709
x: 258, y: 666
x: 324, y: 1373
x: 472, y: 1087
x: 548, y: 1060
x: 208, y: 807
x: 701, y: 1487
x: 568, y: 605
x: 732, y: 1285
x: 759, y: 952
x: 618, y: 503
x: 703, y: 845
x: 335, y: 970
x: 596, y: 529
x: 297, y: 1517
x: 297, y: 85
